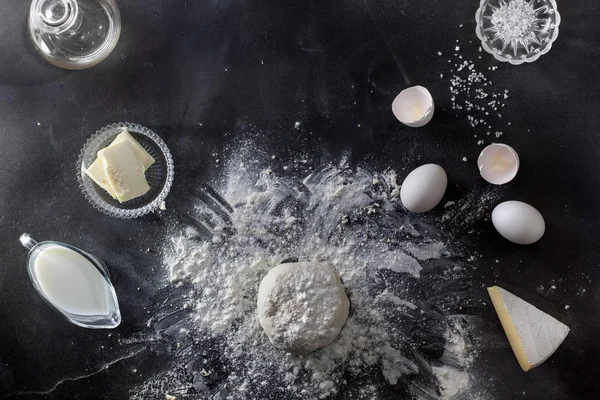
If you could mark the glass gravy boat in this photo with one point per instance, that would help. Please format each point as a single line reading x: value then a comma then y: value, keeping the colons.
x: 73, y: 282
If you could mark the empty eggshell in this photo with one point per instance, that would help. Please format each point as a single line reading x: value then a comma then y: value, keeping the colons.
x: 423, y: 188
x: 498, y: 163
x: 413, y: 106
x: 518, y: 222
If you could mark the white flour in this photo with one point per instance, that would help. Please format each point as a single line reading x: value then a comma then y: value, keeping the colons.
x: 404, y: 333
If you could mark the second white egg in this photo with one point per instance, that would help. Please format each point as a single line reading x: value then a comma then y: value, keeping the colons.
x: 518, y: 222
x: 424, y: 188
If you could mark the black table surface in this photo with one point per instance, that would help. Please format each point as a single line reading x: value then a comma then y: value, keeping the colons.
x: 206, y: 74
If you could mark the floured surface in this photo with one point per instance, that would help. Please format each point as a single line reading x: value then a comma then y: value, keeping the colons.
x: 406, y: 332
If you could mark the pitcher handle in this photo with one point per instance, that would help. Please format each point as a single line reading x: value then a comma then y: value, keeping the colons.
x: 27, y: 241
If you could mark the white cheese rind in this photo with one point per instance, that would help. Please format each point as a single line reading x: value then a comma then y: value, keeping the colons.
x: 533, y: 335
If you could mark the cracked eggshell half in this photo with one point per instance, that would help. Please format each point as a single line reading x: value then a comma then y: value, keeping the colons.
x: 413, y: 106
x: 498, y: 163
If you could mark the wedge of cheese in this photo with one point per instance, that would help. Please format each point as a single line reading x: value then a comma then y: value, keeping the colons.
x: 142, y: 155
x: 533, y: 335
x: 124, y: 171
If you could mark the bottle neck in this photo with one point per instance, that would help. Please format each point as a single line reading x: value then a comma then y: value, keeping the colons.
x: 54, y: 16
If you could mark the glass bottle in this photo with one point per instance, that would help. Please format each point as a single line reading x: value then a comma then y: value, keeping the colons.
x: 74, y: 34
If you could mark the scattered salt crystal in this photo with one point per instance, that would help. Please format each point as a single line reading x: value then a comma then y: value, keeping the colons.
x: 468, y: 87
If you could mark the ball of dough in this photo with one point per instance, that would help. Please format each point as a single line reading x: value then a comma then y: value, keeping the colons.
x: 302, y: 306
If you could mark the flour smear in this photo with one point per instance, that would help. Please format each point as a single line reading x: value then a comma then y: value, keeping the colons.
x: 406, y: 336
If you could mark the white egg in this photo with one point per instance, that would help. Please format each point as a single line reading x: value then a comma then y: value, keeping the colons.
x: 424, y: 188
x: 518, y: 222
x: 498, y: 163
x: 414, y: 106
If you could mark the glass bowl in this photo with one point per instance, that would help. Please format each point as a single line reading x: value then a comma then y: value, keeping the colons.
x: 159, y: 175
x: 517, y: 31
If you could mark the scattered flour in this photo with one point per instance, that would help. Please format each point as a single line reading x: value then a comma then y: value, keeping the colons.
x: 404, y: 326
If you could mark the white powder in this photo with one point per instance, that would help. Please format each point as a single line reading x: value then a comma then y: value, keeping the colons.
x: 402, y: 329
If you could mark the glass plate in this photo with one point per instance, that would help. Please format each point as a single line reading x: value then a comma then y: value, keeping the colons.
x: 159, y: 175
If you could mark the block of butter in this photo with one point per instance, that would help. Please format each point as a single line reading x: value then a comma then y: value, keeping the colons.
x: 141, y: 154
x: 97, y: 173
x: 120, y: 168
x: 533, y: 335
x: 124, y: 171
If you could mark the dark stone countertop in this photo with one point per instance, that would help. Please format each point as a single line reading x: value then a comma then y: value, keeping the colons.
x: 206, y: 74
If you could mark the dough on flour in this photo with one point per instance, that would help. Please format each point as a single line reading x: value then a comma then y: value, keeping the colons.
x: 302, y: 306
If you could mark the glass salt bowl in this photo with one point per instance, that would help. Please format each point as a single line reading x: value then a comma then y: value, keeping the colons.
x: 517, y: 31
x: 159, y: 175
x: 74, y: 34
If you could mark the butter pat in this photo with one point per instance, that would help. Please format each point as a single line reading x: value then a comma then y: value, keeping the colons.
x: 121, y: 184
x: 124, y: 171
x: 97, y: 173
x: 140, y: 153
x: 533, y: 335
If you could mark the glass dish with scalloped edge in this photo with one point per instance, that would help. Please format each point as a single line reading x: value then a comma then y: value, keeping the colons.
x: 517, y: 31
x: 159, y: 175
